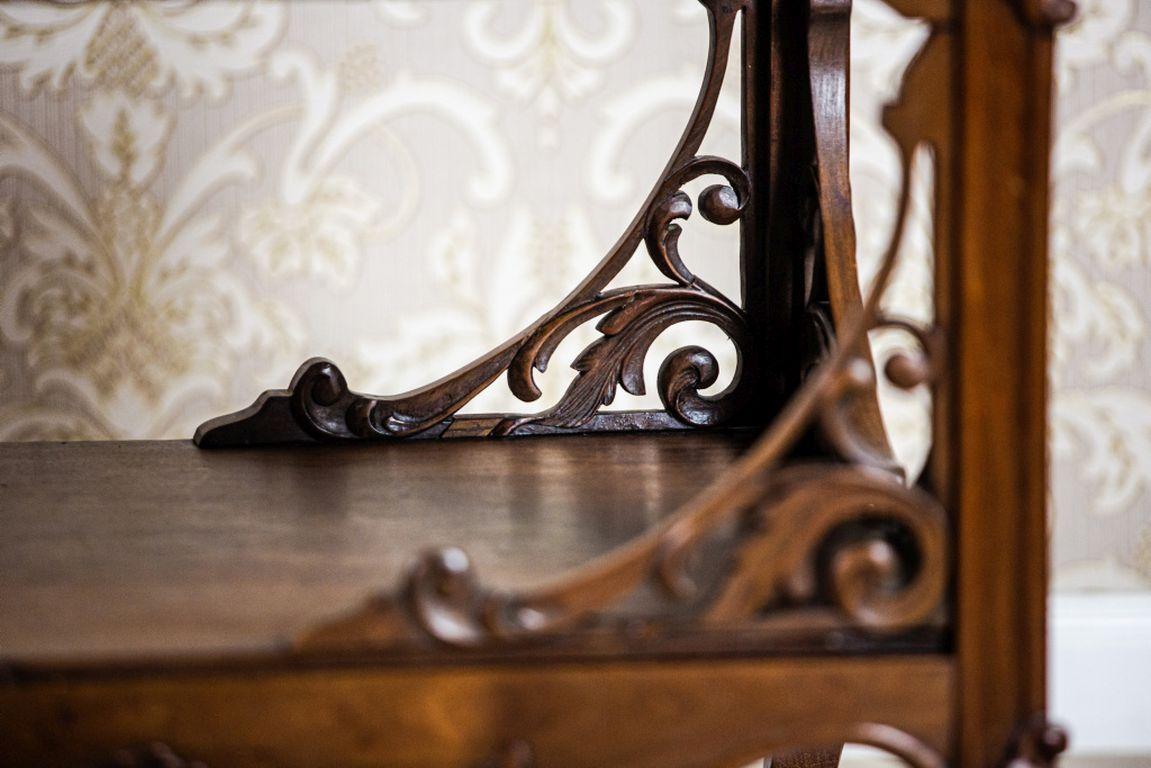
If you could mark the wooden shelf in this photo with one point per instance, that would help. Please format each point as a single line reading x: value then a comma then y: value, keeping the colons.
x: 301, y: 606
x: 145, y: 548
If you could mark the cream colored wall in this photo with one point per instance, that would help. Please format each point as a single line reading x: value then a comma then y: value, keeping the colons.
x: 196, y: 197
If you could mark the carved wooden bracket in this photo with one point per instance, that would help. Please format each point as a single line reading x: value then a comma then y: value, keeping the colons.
x: 318, y: 405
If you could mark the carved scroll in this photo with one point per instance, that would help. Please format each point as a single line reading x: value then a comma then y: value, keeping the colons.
x: 318, y: 405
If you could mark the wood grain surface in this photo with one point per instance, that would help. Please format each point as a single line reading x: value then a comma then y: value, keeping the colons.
x: 154, y: 548
x: 1000, y: 363
x: 622, y: 715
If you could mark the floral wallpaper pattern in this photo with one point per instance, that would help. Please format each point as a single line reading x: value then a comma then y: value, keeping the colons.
x: 1101, y: 260
x: 196, y: 196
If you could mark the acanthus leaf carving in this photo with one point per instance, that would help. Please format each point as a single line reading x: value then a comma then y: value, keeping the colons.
x: 632, y: 320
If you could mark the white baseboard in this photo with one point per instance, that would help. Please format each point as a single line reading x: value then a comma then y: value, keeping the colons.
x: 1099, y: 672
x: 1099, y: 679
x: 1099, y: 669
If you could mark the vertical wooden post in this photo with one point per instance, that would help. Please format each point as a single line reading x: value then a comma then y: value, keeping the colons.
x: 999, y: 284
x: 779, y: 156
x: 756, y: 132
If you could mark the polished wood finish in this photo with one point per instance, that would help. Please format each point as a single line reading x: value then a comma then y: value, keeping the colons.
x: 829, y: 62
x: 184, y: 553
x: 1000, y: 284
x: 158, y: 548
x: 638, y: 715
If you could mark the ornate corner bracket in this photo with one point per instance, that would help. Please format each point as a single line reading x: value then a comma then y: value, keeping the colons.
x: 318, y: 405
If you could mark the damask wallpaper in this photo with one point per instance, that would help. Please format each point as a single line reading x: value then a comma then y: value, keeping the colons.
x: 1101, y: 259
x: 196, y: 196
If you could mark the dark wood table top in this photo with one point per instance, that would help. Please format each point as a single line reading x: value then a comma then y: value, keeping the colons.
x: 157, y: 548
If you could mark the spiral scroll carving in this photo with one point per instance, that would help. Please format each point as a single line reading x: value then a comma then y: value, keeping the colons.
x: 852, y: 536
x: 721, y: 204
